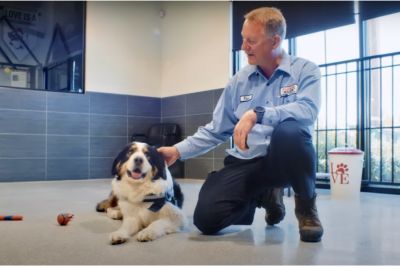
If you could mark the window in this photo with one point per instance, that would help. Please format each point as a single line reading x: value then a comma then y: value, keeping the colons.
x: 342, y: 43
x: 42, y: 45
x: 329, y: 46
x: 382, y: 70
x: 382, y: 35
x: 337, y: 122
x: 312, y: 47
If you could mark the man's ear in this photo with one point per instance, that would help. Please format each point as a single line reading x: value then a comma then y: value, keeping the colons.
x: 276, y: 41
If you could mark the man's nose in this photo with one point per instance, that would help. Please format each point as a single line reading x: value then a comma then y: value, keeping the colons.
x: 245, y: 46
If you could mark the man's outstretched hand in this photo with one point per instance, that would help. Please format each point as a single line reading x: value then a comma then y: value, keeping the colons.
x: 170, y: 154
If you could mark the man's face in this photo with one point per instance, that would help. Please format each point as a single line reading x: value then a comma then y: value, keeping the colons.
x: 256, y: 43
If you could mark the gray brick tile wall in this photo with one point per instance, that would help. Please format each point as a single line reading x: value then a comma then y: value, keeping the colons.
x: 54, y: 136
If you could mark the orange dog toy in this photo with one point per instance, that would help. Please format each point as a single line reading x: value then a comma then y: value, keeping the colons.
x: 64, y: 218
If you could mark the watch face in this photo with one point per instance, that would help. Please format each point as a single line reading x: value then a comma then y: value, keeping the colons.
x: 259, y: 109
x: 260, y: 113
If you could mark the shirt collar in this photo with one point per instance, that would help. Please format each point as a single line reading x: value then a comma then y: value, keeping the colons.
x: 283, y: 66
x: 285, y: 63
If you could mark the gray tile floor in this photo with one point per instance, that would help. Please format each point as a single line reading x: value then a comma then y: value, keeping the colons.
x: 364, y: 232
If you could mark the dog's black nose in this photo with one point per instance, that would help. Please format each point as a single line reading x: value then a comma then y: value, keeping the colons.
x: 138, y: 160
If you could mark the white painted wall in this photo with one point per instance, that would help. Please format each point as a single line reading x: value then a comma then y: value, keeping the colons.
x: 123, y: 48
x: 131, y: 50
x: 196, y: 47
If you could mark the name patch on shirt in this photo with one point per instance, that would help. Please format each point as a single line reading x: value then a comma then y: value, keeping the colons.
x: 289, y: 90
x: 245, y: 98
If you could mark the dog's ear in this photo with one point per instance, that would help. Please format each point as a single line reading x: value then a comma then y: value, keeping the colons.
x: 157, y: 160
x: 122, y: 157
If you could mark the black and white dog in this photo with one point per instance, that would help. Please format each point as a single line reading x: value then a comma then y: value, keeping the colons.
x: 144, y: 196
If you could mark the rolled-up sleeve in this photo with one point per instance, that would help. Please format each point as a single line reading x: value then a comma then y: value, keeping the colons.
x: 214, y: 133
x: 306, y: 107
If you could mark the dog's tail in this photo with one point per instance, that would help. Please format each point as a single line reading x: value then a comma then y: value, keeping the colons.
x: 178, y: 195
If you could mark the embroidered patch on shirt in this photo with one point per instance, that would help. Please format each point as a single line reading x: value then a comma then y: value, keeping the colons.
x: 289, y: 90
x: 245, y: 98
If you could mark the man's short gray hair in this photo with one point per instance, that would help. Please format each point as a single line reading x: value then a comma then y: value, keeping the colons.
x: 271, y: 18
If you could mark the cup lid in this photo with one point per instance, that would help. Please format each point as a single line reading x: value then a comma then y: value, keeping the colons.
x: 345, y: 151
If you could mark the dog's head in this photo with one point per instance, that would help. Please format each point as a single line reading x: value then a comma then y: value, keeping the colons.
x: 138, y: 162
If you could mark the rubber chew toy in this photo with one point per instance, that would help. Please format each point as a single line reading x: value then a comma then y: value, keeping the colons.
x: 64, y: 218
x: 11, y: 218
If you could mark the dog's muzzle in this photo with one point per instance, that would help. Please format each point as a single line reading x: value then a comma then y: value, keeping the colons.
x: 136, y: 174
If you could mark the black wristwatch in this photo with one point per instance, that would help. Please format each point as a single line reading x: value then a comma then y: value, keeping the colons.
x: 260, y: 113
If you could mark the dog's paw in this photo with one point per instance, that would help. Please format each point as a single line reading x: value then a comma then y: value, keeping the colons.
x: 118, y: 238
x: 146, y: 235
x: 114, y: 213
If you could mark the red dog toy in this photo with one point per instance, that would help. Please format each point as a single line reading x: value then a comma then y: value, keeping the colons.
x: 64, y: 218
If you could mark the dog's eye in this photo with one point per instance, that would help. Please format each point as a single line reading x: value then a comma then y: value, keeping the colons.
x: 148, y: 157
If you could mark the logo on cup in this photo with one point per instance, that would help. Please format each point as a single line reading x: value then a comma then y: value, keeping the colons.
x: 340, y: 174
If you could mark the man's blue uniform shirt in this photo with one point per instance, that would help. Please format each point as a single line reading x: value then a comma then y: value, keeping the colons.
x: 292, y: 91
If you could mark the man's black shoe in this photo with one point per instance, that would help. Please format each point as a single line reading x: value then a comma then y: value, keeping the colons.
x: 272, y: 202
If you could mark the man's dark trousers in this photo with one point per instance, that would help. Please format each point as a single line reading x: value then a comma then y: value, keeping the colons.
x: 229, y: 196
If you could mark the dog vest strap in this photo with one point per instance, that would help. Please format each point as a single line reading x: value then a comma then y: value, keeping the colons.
x: 158, y: 201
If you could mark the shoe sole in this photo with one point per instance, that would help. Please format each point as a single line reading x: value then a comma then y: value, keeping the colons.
x: 276, y: 221
x: 307, y: 236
